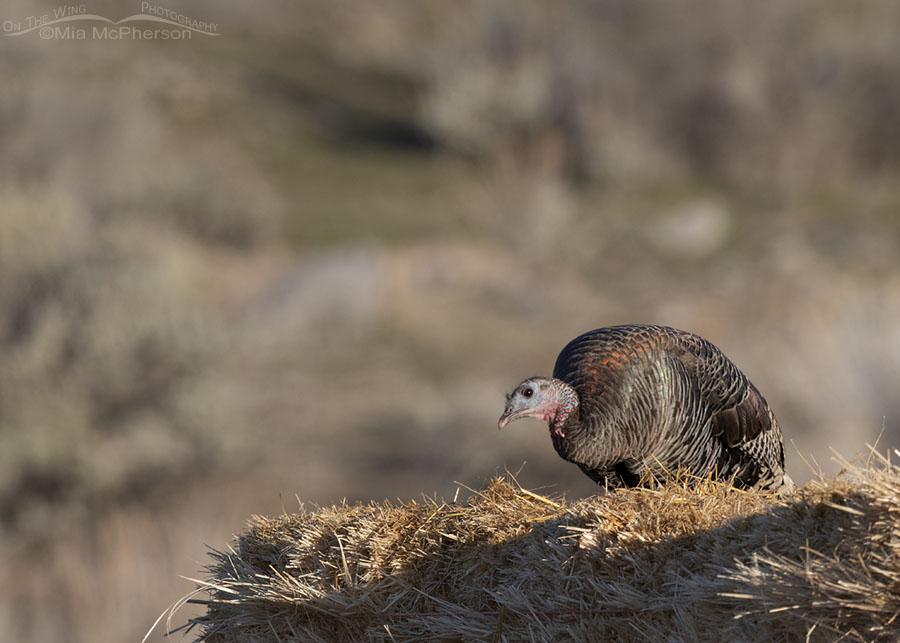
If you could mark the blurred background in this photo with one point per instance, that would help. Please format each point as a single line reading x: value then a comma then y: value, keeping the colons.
x: 305, y: 258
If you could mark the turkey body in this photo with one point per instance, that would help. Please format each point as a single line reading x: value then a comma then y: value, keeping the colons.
x: 657, y: 400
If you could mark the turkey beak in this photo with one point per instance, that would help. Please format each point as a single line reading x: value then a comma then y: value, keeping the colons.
x: 509, y: 414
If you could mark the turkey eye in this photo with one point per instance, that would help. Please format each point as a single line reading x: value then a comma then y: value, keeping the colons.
x: 528, y: 392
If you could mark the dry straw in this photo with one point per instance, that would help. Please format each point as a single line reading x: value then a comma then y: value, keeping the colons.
x: 672, y: 563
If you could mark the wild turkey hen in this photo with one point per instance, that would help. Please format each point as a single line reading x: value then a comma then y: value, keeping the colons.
x: 627, y: 403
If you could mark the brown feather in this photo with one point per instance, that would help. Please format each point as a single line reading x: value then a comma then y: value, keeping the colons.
x: 655, y: 399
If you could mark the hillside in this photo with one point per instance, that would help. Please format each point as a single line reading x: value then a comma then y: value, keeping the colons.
x: 312, y: 253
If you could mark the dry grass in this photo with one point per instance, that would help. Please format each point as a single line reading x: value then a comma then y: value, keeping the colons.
x: 670, y: 563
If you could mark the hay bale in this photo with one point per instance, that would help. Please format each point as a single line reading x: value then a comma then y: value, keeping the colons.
x: 670, y: 563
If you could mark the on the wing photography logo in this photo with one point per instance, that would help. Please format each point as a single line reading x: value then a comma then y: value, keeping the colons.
x: 73, y: 22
